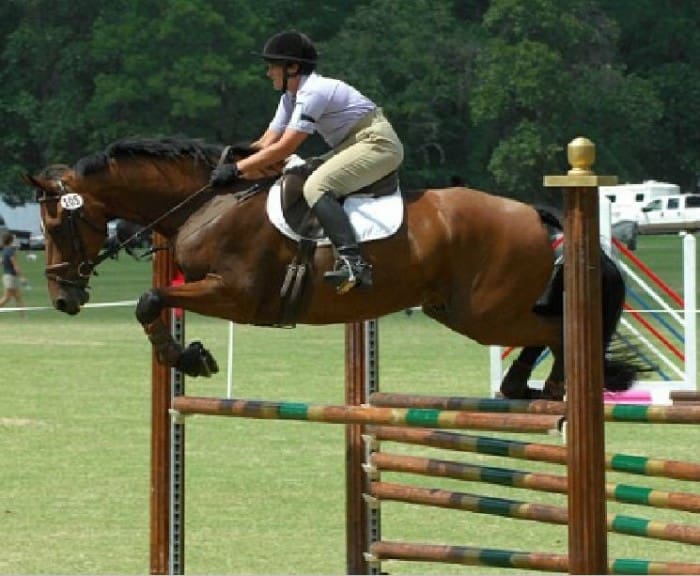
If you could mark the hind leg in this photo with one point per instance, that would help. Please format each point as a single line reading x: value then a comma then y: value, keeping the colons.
x: 554, y: 388
x: 531, y: 331
x: 514, y: 384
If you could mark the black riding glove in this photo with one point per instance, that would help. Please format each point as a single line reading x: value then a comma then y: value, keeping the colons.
x: 224, y: 175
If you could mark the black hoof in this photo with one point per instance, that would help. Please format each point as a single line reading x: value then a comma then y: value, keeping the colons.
x: 196, y: 360
x: 554, y: 390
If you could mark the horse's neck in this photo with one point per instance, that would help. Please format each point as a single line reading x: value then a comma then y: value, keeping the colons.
x: 155, y: 197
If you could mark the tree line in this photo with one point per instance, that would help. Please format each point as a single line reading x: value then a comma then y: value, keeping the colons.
x: 487, y: 91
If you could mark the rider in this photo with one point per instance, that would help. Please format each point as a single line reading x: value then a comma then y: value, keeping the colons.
x: 364, y: 145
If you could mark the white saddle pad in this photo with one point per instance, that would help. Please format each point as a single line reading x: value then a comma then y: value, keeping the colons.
x: 372, y: 218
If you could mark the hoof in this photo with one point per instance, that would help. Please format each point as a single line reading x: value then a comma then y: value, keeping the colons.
x: 553, y: 390
x: 514, y: 384
x: 196, y: 360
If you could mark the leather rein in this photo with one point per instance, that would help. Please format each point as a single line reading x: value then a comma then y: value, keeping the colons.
x: 87, y: 267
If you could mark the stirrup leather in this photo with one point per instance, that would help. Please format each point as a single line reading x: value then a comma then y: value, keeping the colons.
x: 349, y: 272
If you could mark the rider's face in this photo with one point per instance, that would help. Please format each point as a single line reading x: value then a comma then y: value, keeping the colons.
x: 275, y: 72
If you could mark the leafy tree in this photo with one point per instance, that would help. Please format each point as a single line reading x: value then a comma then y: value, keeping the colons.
x: 414, y: 59
x: 44, y: 85
x: 548, y: 75
x: 660, y: 41
x: 488, y: 90
x: 155, y: 79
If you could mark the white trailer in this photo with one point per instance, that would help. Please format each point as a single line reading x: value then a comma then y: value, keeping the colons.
x: 627, y: 200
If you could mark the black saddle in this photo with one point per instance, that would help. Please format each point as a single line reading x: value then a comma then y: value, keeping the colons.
x: 298, y: 214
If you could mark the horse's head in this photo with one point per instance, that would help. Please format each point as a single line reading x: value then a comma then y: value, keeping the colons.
x: 75, y: 229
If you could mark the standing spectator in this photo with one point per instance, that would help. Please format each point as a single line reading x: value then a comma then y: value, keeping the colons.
x: 11, y: 273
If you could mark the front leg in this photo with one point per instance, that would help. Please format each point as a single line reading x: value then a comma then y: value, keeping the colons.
x: 195, y: 360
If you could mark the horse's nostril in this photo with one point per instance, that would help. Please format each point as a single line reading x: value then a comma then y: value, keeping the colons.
x: 60, y: 304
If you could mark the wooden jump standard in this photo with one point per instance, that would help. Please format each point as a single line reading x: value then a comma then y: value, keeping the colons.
x: 167, y: 501
x: 583, y: 358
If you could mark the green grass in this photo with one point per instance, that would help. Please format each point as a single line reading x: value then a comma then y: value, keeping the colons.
x: 262, y: 496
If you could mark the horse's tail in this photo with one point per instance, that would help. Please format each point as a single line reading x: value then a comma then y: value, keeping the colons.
x: 621, y: 364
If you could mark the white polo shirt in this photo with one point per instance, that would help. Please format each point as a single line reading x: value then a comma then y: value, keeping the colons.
x: 322, y: 104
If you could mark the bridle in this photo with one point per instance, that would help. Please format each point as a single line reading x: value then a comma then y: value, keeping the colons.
x: 74, y: 215
x: 69, y: 227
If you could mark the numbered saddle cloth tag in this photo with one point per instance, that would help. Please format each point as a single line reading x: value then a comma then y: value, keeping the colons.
x: 372, y: 218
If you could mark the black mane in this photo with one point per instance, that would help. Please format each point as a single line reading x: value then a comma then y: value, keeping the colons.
x: 169, y: 148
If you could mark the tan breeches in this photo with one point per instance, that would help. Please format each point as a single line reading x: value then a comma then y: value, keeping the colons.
x: 369, y: 153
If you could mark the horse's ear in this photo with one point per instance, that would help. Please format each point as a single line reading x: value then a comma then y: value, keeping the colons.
x: 31, y: 181
x: 41, y: 186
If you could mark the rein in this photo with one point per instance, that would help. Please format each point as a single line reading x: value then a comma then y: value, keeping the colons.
x: 111, y: 251
x: 87, y: 267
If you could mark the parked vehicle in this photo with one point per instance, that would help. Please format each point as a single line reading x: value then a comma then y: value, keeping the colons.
x: 627, y: 200
x: 626, y: 232
x: 36, y: 241
x: 670, y: 214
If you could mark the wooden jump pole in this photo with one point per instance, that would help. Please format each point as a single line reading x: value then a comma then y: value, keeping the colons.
x: 583, y: 358
x: 266, y: 410
x: 544, y: 562
x: 432, y: 467
x: 533, y: 511
x: 679, y: 414
x: 627, y: 463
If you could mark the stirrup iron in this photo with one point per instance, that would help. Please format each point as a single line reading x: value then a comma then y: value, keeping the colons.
x: 349, y: 272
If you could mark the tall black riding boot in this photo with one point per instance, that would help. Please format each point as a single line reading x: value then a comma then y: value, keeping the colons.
x: 350, y: 269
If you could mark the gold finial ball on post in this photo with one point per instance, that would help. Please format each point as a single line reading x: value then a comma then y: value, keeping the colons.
x: 581, y: 155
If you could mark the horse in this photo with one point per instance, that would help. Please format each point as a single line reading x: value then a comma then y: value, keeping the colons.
x: 477, y: 263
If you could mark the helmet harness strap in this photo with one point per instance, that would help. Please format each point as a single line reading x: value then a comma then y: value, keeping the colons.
x: 286, y: 75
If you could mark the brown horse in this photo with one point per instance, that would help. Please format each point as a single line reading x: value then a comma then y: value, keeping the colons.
x: 475, y: 262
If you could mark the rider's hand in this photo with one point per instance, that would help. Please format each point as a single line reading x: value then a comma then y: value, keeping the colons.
x: 224, y: 175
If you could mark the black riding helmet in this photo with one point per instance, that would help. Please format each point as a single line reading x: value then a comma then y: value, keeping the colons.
x: 291, y: 47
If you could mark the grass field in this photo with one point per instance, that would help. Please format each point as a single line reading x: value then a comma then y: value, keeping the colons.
x: 263, y: 497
